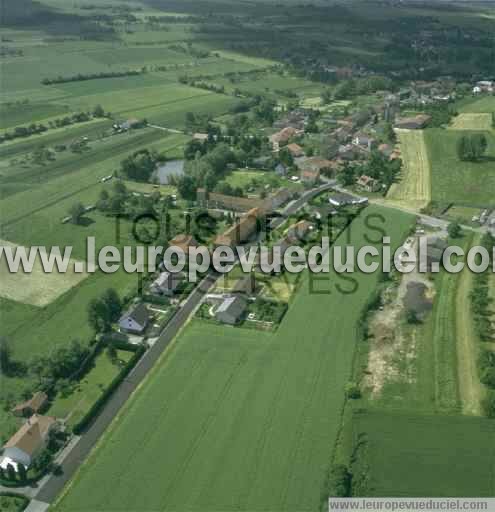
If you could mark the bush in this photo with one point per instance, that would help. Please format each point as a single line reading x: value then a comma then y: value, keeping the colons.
x: 339, y: 485
x: 488, y: 404
x: 352, y: 390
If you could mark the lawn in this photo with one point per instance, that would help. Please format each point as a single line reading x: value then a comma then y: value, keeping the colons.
x: 453, y: 181
x: 10, y: 503
x: 73, y: 406
x: 399, y: 454
x: 234, y: 419
x: 414, y: 186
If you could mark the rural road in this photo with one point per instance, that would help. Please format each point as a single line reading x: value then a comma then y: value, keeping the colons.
x: 80, y: 451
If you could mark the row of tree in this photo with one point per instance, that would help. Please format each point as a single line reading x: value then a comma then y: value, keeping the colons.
x: 92, y: 76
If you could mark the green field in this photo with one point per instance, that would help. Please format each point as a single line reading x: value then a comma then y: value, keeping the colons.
x: 481, y: 105
x: 399, y: 454
x: 73, y: 406
x: 237, y: 419
x: 453, y: 181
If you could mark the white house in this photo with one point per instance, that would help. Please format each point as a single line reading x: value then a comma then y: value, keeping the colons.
x: 28, y: 441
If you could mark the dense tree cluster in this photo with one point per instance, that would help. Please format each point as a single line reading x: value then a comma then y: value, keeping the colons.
x: 140, y: 165
x: 104, y: 311
x: 472, y: 147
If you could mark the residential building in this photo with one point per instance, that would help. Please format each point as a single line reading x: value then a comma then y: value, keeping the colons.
x: 369, y: 184
x: 231, y: 310
x: 183, y: 242
x: 299, y: 230
x: 166, y: 283
x: 31, y: 406
x: 135, y: 319
x: 28, y: 441
x: 295, y: 150
x: 281, y: 138
x: 310, y: 177
x: 364, y: 142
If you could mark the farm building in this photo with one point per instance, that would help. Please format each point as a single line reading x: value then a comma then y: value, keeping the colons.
x: 166, y: 283
x: 31, y: 406
x: 434, y: 251
x: 241, y: 231
x: 346, y: 200
x: 413, y: 123
x: 28, y: 441
x: 135, y: 319
x: 230, y: 311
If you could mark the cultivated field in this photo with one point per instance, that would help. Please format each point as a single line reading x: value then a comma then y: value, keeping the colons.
x: 36, y: 288
x: 234, y: 419
x: 479, y: 122
x: 414, y: 188
x: 401, y: 454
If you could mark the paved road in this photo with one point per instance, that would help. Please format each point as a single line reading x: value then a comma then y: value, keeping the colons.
x: 54, y: 484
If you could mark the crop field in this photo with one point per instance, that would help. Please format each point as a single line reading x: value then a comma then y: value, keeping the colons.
x: 453, y: 181
x: 37, y: 288
x: 414, y: 187
x: 470, y: 121
x: 236, y: 419
x: 403, y: 455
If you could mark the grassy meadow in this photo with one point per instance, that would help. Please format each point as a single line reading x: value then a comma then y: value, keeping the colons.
x: 406, y: 455
x: 237, y: 419
x: 453, y: 181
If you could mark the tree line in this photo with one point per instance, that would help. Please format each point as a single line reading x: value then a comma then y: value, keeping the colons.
x: 80, y: 77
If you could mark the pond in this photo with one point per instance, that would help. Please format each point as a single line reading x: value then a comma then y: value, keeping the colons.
x: 164, y: 171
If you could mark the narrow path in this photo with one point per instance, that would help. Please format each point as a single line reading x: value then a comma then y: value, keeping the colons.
x: 165, y: 129
x: 470, y: 388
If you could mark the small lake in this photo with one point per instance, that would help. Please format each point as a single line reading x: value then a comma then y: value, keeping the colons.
x: 168, y: 169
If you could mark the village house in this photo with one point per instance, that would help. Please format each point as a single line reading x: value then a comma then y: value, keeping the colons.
x: 310, y: 176
x: 281, y: 138
x: 364, y: 142
x: 369, y: 184
x: 299, y: 231
x: 135, y: 319
x: 434, y: 251
x: 183, y: 243
x: 386, y: 150
x: 166, y: 283
x: 347, y: 152
x: 28, y: 441
x: 281, y: 169
x: 31, y: 406
x: 231, y: 310
x: 295, y: 150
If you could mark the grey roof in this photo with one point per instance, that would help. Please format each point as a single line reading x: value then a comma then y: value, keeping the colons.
x: 139, y: 314
x: 233, y: 306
